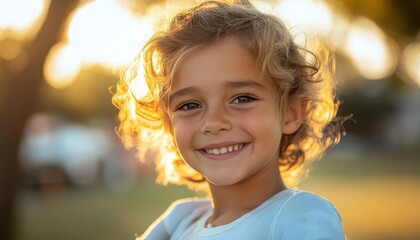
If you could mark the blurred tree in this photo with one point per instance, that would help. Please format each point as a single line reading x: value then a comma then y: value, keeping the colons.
x: 399, y: 19
x: 17, y: 100
x: 370, y: 113
x: 86, y: 98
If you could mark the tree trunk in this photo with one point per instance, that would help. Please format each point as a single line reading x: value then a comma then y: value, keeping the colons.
x: 17, y: 101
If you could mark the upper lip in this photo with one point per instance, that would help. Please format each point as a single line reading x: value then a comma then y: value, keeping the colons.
x: 221, y: 144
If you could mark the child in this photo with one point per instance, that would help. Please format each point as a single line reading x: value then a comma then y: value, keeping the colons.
x: 235, y: 108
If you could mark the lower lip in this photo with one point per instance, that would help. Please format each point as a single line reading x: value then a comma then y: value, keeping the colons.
x: 224, y: 156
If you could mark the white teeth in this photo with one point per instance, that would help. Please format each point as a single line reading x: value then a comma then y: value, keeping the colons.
x: 224, y: 150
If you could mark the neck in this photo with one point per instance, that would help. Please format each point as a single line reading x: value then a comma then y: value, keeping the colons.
x: 231, y: 202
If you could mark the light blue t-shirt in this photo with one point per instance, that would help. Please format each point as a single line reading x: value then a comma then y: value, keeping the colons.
x: 289, y: 215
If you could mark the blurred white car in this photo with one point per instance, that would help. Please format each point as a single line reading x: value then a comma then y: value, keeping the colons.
x: 53, y: 150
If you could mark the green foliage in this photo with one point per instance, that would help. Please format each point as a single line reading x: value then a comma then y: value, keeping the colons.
x: 88, y: 97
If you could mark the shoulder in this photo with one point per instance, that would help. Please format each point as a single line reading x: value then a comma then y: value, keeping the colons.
x: 185, y: 206
x: 185, y: 210
x: 303, y: 202
x: 308, y: 216
x: 179, y: 215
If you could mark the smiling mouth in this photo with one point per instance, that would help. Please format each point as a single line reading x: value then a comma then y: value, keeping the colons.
x: 223, y: 150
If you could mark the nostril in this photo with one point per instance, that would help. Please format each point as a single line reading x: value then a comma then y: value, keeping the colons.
x: 216, y: 125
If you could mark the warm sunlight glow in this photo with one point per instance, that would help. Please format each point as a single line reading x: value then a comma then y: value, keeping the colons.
x: 104, y: 32
x: 339, y: 28
x: 264, y: 6
x: 132, y: 108
x: 369, y: 49
x: 113, y: 37
x: 139, y: 87
x: 62, y: 66
x: 10, y: 50
x: 310, y: 15
x: 19, y: 17
x: 168, y: 158
x: 411, y: 62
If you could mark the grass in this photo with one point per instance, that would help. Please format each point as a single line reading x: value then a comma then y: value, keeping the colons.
x: 377, y: 199
x: 95, y: 213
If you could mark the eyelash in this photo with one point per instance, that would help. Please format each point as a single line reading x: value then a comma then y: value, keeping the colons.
x: 249, y: 98
x: 183, y: 106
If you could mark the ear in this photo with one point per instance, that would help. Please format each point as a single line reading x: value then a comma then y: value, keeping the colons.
x: 294, y: 115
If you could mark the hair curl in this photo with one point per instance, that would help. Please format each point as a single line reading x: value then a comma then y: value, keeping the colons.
x: 297, y: 72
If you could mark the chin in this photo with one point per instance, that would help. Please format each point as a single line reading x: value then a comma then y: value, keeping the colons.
x: 224, y: 181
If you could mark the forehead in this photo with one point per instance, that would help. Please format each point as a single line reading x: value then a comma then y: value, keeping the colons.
x: 225, y: 60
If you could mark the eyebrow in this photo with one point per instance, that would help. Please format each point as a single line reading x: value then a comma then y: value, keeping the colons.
x: 230, y: 84
x: 243, y: 84
x: 182, y: 92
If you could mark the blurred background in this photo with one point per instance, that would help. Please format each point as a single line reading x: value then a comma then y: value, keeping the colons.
x: 65, y: 175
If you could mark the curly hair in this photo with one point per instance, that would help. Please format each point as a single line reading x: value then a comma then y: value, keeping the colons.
x: 297, y: 72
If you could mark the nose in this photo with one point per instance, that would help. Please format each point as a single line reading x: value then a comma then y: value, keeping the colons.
x: 216, y: 119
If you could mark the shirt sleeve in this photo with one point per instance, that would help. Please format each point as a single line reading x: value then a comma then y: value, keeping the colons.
x: 175, y: 218
x: 307, y: 216
x: 158, y: 229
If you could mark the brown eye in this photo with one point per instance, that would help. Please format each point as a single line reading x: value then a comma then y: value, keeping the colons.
x: 189, y: 106
x: 243, y: 99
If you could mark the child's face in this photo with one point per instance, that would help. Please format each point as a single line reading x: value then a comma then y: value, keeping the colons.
x: 225, y: 116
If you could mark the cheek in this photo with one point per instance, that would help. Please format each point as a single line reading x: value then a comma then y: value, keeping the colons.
x: 262, y: 121
x: 264, y: 127
x: 183, y: 132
